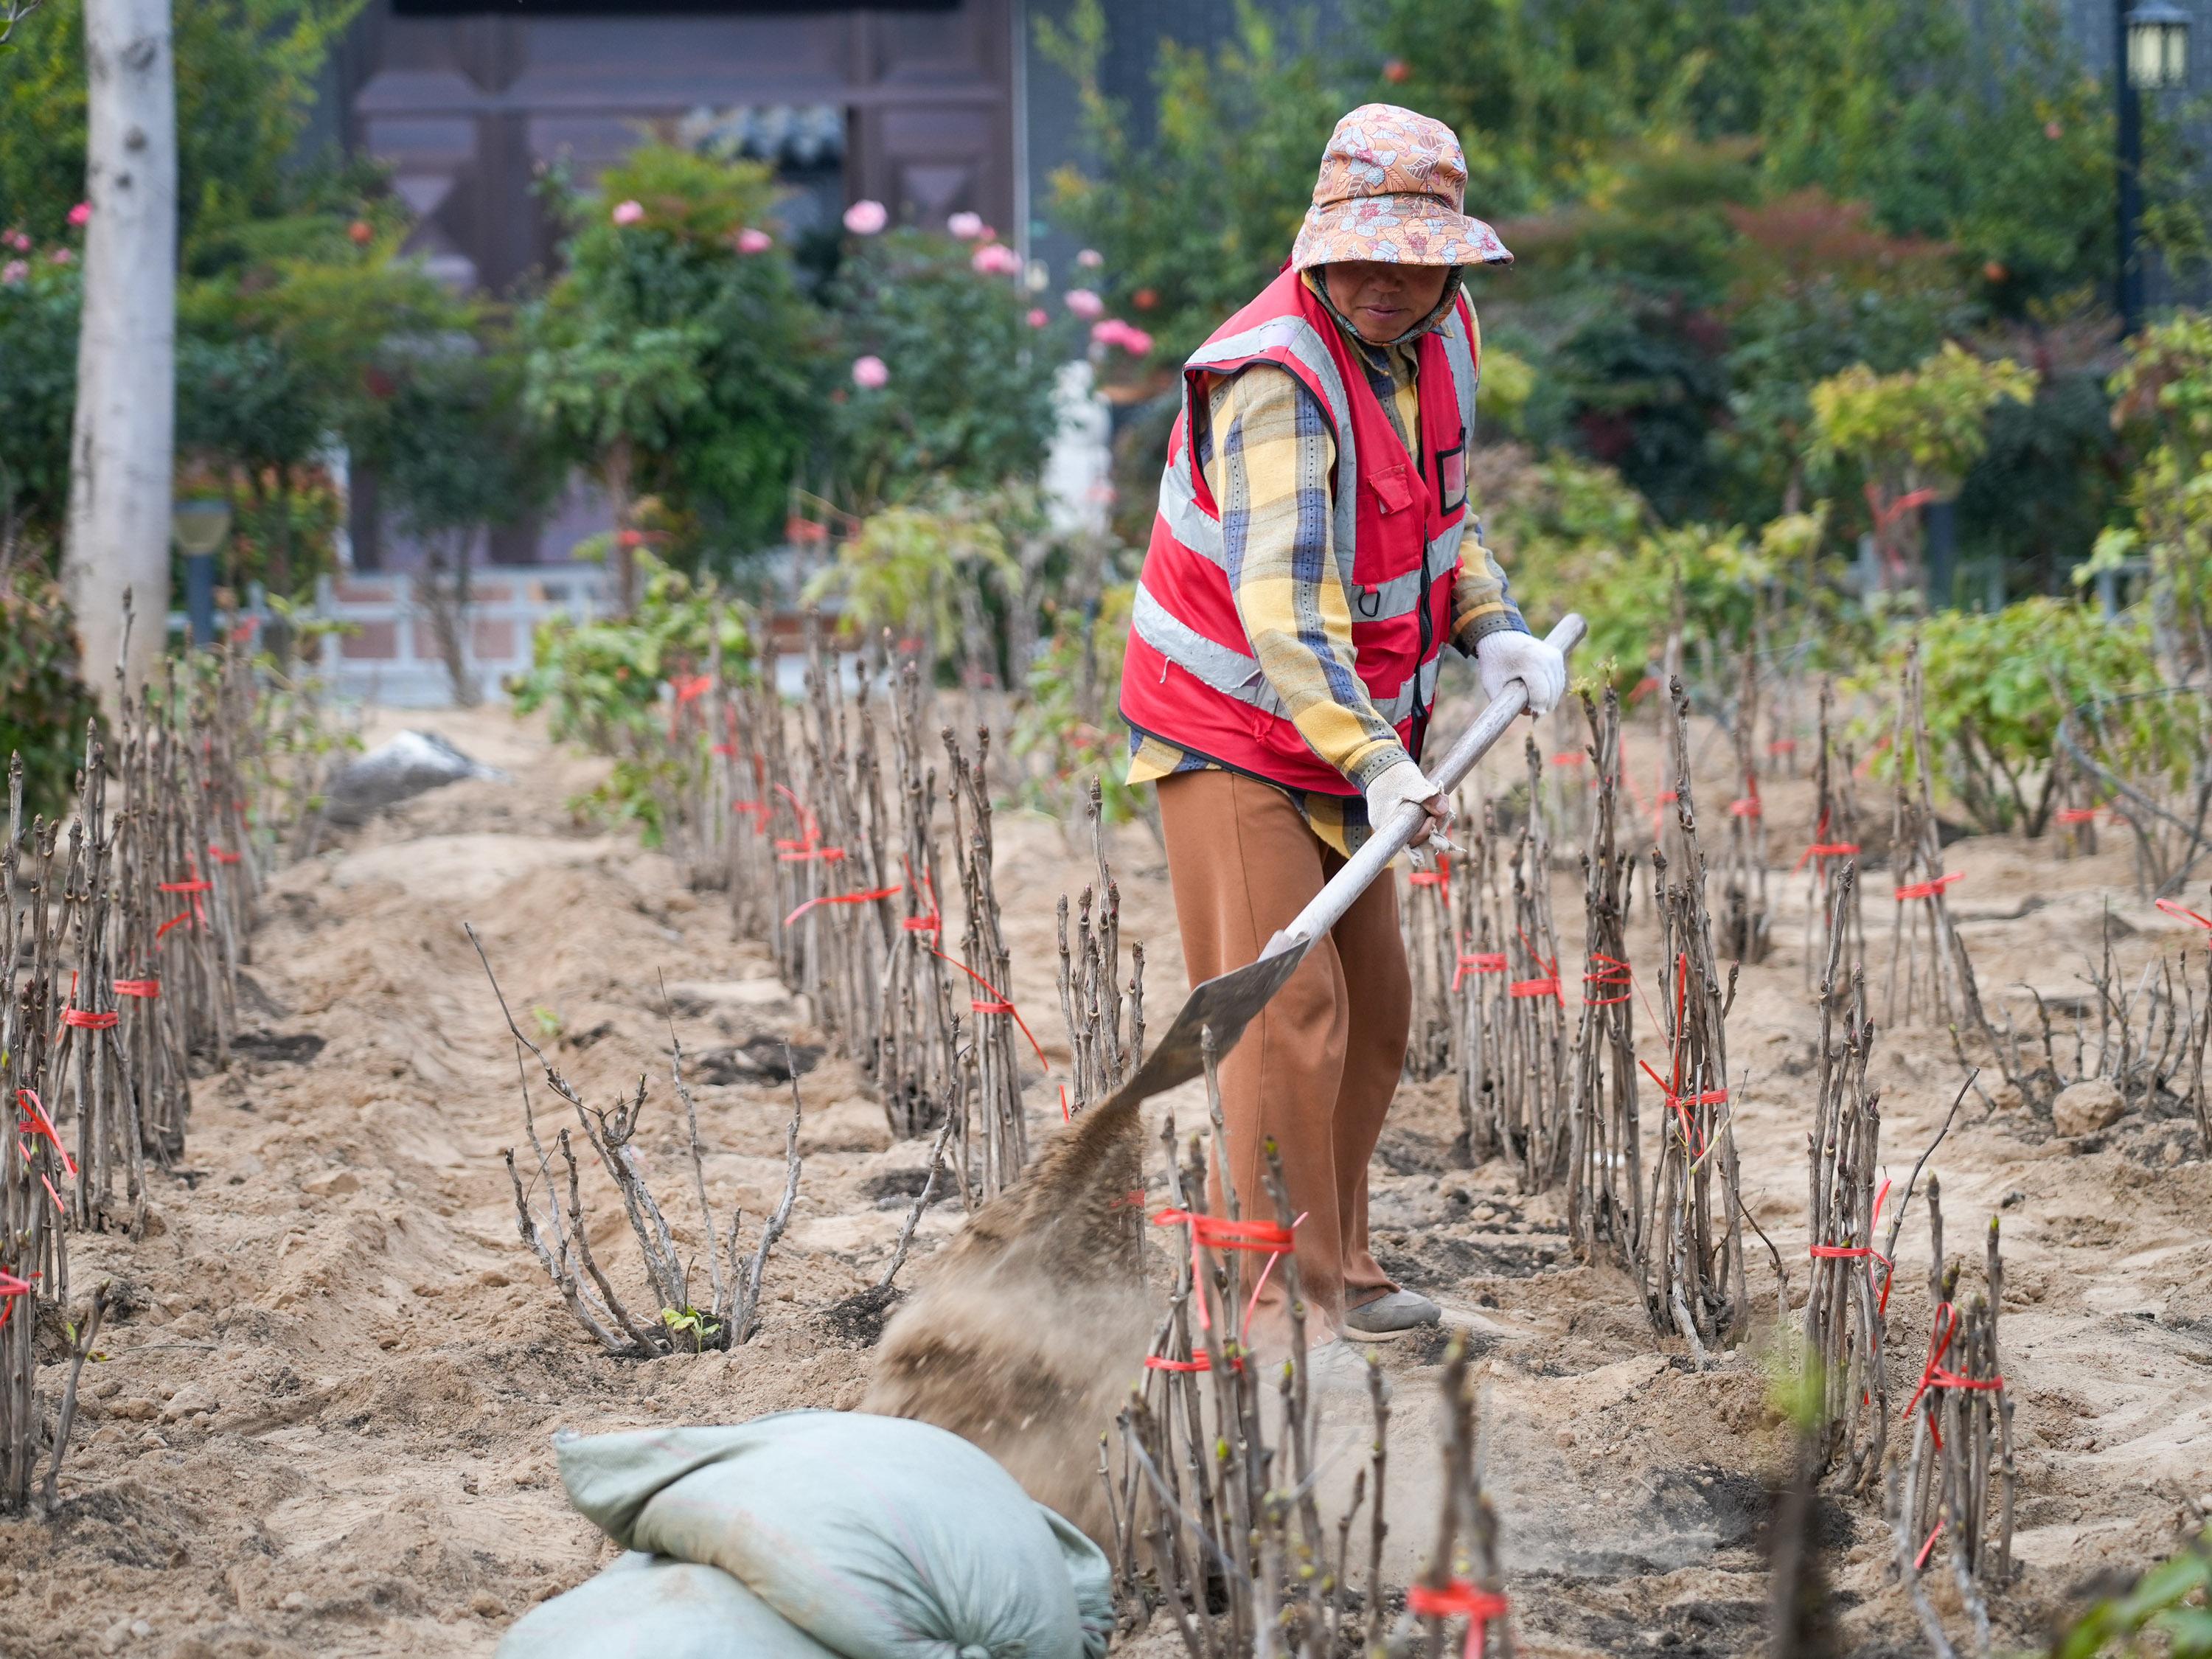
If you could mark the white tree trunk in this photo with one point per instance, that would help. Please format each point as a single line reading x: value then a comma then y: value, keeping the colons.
x: 120, y: 450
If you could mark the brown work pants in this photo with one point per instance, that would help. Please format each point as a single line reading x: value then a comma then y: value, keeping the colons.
x: 1316, y: 1071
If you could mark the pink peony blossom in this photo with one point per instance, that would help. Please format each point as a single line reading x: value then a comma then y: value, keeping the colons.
x: 996, y: 259
x: 750, y: 240
x: 866, y: 218
x: 966, y: 226
x: 16, y: 239
x: 1036, y: 319
x: 13, y: 273
x: 1084, y: 303
x: 869, y: 373
x: 628, y: 213
x: 1090, y: 258
x: 80, y: 212
x: 61, y: 255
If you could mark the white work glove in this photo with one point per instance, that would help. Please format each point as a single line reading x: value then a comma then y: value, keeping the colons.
x: 1506, y: 656
x: 1401, y: 782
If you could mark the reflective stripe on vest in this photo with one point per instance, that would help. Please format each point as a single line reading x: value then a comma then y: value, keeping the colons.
x: 1234, y: 674
x: 1302, y: 341
x: 1201, y: 532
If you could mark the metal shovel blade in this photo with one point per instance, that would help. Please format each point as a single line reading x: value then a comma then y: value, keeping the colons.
x: 1227, y: 1003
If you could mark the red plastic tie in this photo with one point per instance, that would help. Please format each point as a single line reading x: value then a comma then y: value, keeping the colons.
x: 2182, y: 913
x: 1155, y: 1363
x: 138, y: 988
x: 2076, y: 814
x: 1482, y: 962
x: 39, y: 1123
x: 1748, y: 807
x: 1781, y: 745
x: 1002, y: 1004
x: 845, y: 898
x: 1920, y: 1559
x: 1440, y: 876
x: 87, y: 1021
x: 1921, y: 890
x: 187, y: 886
x: 1615, y: 972
x: 181, y: 915
x: 1826, y: 849
x: 1220, y: 1233
x: 222, y: 857
x: 1455, y: 1598
x: 1572, y: 757
x: 1536, y: 987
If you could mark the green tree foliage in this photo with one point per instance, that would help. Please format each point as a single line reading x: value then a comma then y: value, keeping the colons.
x: 278, y: 355
x: 1912, y: 434
x: 1994, y: 143
x: 246, y: 77
x: 2163, y: 406
x: 39, y: 299
x: 968, y: 400
x: 670, y: 362
x: 1198, y: 220
x: 43, y: 705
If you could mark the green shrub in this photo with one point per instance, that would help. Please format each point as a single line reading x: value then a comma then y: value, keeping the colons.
x: 600, y: 682
x: 43, y: 705
x: 1998, y: 685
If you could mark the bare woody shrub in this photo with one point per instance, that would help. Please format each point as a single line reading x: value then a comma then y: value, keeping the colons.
x: 561, y: 1240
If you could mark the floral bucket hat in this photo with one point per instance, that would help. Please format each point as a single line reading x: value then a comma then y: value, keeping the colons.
x: 1391, y: 188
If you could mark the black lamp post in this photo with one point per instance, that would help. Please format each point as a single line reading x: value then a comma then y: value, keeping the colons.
x: 2150, y: 41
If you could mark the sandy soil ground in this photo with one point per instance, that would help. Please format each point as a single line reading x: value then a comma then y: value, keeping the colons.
x: 323, y: 1423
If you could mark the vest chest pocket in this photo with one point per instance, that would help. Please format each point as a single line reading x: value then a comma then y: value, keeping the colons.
x: 1391, y: 536
x: 1393, y: 493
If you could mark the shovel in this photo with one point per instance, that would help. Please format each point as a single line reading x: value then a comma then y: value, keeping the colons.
x: 1225, y: 1005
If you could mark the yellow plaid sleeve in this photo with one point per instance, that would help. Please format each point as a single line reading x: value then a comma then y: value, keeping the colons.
x: 1267, y: 459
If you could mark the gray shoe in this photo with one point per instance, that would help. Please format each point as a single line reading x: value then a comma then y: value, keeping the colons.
x: 1391, y: 1315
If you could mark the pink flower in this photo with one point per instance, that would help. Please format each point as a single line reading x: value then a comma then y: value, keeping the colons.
x: 750, y: 240
x: 80, y: 212
x: 1036, y: 319
x: 866, y: 218
x: 869, y: 373
x: 61, y: 255
x: 1084, y: 303
x: 1130, y: 338
x: 628, y: 213
x: 996, y: 259
x: 2052, y: 129
x: 1090, y: 258
x: 13, y: 273
x: 16, y: 239
x: 966, y: 226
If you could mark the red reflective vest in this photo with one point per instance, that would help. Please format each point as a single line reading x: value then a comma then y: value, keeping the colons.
x: 1189, y: 678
